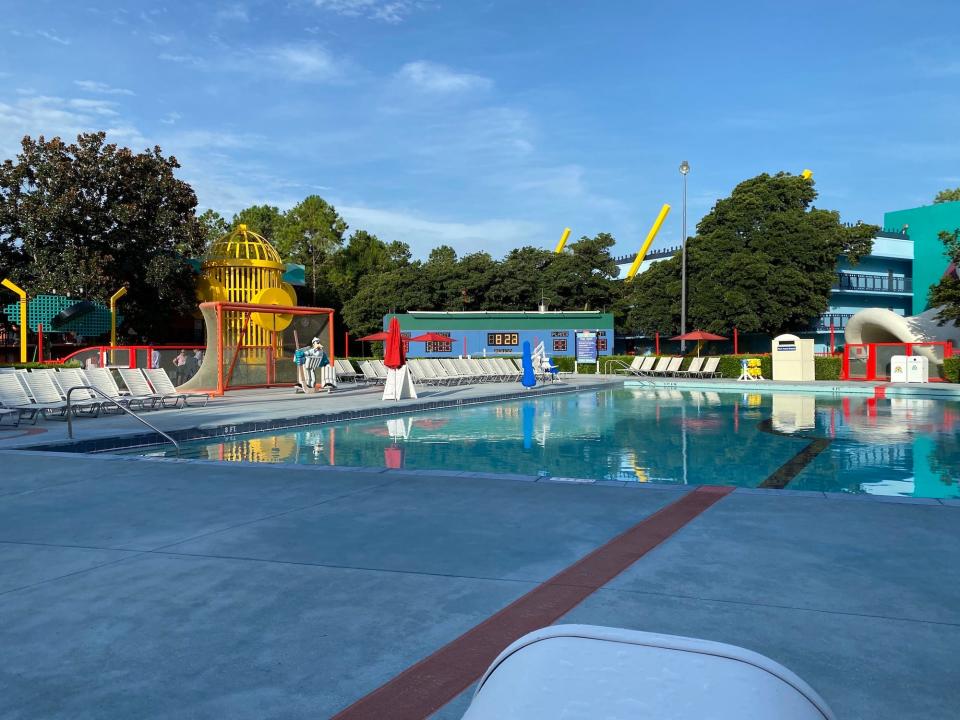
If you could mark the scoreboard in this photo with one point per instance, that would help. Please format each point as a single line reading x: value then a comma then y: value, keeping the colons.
x: 503, y: 339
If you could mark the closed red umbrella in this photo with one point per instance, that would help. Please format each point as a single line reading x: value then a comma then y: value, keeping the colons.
x: 393, y: 356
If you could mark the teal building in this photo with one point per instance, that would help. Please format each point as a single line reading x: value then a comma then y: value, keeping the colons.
x: 923, y: 226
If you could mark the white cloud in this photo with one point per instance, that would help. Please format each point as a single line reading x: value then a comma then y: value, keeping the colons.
x: 496, y: 236
x: 52, y: 37
x: 304, y: 62
x: 171, y: 118
x: 182, y: 59
x: 235, y: 12
x: 389, y: 11
x: 98, y: 87
x: 435, y: 78
x: 36, y: 115
x: 160, y: 39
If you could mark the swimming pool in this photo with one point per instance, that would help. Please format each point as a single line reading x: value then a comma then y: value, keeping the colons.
x: 906, y: 447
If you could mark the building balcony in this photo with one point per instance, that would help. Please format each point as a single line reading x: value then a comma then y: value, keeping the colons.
x: 839, y: 320
x: 862, y: 282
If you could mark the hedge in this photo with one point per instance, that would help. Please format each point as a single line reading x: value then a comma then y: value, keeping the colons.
x: 825, y: 368
x: 951, y: 369
x: 35, y: 365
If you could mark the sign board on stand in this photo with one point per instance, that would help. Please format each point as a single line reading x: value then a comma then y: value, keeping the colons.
x: 586, y: 349
x: 399, y: 385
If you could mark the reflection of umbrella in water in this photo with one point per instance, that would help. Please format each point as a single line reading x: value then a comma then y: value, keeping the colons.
x: 700, y: 336
x: 393, y: 457
x: 528, y: 414
x: 431, y: 424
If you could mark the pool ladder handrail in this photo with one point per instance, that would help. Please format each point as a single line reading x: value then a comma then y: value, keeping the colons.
x: 127, y: 410
x: 643, y: 380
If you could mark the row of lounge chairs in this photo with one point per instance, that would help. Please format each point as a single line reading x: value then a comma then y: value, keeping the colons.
x: 650, y: 366
x: 37, y: 393
x: 435, y: 371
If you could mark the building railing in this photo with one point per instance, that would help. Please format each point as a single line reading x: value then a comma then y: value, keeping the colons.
x: 872, y: 283
x: 839, y: 321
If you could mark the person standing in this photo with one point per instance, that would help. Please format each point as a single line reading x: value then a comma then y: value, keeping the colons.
x: 180, y: 367
x: 154, y: 358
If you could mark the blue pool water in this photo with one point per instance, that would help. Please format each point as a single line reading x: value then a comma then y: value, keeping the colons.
x: 903, y: 447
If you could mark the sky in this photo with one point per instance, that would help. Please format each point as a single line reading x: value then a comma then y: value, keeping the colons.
x: 492, y: 124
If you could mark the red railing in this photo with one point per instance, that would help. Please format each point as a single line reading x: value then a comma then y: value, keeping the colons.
x: 860, y: 361
x: 121, y: 355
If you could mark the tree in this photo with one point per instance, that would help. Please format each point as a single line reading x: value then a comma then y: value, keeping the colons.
x: 312, y: 230
x: 213, y: 226
x: 265, y: 220
x: 763, y: 260
x: 582, y: 277
x: 518, y: 280
x: 399, y: 290
x: 364, y: 254
x: 88, y: 217
x: 946, y: 293
x: 947, y: 196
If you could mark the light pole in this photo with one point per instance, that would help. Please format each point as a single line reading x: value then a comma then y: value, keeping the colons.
x: 684, y: 169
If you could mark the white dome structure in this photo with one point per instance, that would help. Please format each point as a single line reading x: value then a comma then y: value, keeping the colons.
x: 877, y: 325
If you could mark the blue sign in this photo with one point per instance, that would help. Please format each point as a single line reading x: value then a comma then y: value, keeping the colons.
x: 586, y: 347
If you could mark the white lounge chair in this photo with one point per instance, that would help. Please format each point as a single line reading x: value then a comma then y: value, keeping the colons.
x: 583, y: 671
x: 164, y: 387
x: 45, y: 391
x: 369, y: 374
x: 138, y: 386
x: 710, y: 368
x: 102, y: 380
x: 10, y: 413
x: 673, y: 366
x: 69, y: 378
x: 661, y: 367
x: 14, y: 396
x: 694, y: 367
x: 345, y: 371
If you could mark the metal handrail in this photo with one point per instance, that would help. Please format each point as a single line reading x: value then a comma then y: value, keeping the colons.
x: 127, y: 410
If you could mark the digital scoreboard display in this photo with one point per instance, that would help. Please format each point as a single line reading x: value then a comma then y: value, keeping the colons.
x: 503, y: 339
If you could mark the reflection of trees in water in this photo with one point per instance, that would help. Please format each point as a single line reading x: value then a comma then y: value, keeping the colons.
x: 945, y: 458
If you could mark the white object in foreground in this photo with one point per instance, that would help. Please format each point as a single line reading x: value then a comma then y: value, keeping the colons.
x: 399, y: 385
x: 584, y: 671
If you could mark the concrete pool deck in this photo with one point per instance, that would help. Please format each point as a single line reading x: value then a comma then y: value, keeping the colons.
x: 140, y: 588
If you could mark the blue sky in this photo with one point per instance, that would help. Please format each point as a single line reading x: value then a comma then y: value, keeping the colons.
x: 492, y: 124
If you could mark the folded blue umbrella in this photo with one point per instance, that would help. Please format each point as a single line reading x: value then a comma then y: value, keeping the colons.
x: 529, y: 379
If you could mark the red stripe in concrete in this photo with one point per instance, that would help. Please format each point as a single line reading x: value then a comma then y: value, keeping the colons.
x: 427, y: 686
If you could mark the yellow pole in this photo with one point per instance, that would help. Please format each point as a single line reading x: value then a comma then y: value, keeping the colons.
x: 563, y: 240
x: 113, y: 314
x: 23, y: 317
x: 649, y: 241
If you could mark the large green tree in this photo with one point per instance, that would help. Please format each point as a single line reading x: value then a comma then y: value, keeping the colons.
x: 364, y: 254
x: 763, y: 260
x: 213, y: 226
x: 266, y: 220
x: 87, y: 217
x: 946, y: 293
x: 311, y: 232
x: 947, y: 195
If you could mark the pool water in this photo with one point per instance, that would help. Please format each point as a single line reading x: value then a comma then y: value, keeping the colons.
x: 905, y: 447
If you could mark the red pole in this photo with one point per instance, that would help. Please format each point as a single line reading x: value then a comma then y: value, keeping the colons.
x: 40, y: 342
x: 656, y: 340
x: 346, y: 346
x: 464, y: 345
x: 736, y: 343
x: 831, y: 336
